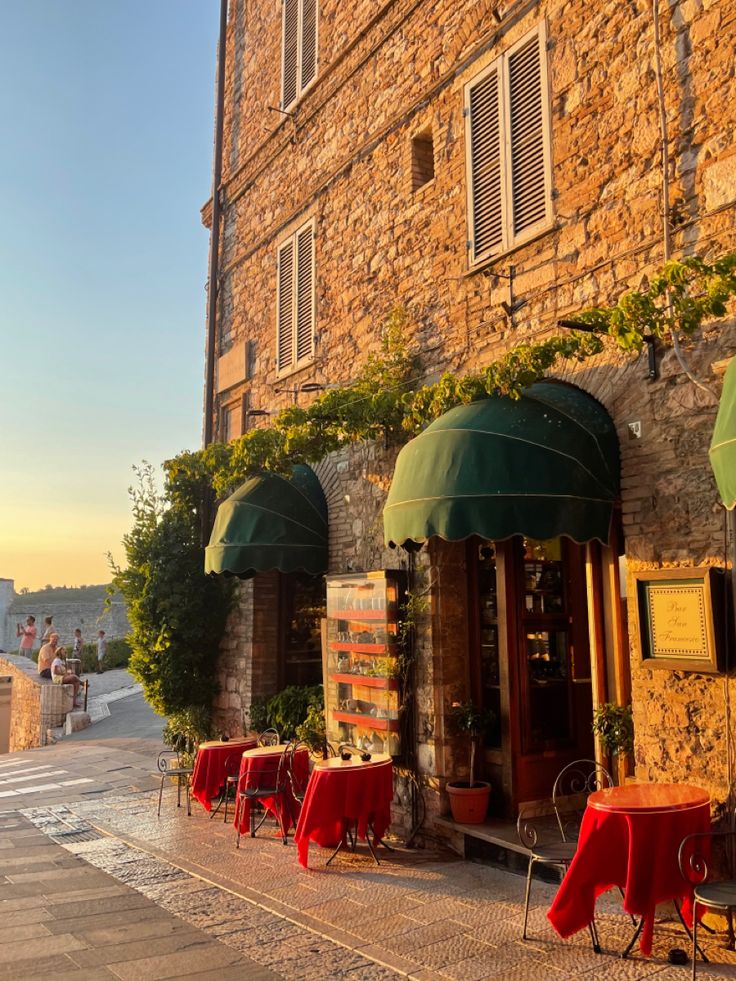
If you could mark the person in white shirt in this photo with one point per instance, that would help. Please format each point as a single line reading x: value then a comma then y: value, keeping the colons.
x: 101, y: 650
x: 60, y: 675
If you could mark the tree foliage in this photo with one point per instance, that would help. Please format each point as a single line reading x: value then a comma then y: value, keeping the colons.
x: 177, y: 614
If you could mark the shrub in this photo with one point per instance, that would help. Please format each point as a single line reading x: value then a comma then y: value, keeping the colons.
x: 118, y: 655
x: 287, y: 710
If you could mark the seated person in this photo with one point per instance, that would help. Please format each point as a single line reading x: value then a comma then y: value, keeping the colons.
x: 60, y: 675
x: 46, y: 655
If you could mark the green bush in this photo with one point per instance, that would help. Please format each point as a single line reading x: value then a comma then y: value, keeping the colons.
x: 286, y: 710
x: 118, y: 655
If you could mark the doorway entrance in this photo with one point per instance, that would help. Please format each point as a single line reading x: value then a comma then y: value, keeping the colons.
x: 530, y: 660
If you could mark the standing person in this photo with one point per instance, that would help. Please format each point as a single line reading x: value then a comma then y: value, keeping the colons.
x: 101, y: 650
x: 46, y: 656
x: 27, y: 636
x: 77, y: 648
x: 48, y: 629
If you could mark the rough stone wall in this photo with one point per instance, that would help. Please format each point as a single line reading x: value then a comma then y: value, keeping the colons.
x: 388, y: 72
x: 88, y: 616
x: 36, y: 704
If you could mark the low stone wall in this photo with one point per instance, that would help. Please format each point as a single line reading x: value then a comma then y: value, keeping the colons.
x: 37, y: 704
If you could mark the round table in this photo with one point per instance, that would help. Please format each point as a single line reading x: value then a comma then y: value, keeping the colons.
x: 343, y: 792
x: 260, y: 766
x: 210, y: 771
x: 630, y: 837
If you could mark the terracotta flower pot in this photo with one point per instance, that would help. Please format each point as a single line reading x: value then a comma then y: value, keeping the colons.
x: 469, y: 805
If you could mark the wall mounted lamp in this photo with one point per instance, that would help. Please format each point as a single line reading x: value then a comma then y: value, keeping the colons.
x: 650, y: 340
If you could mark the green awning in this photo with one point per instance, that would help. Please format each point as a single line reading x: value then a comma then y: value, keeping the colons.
x: 723, y: 444
x: 271, y: 522
x: 544, y: 465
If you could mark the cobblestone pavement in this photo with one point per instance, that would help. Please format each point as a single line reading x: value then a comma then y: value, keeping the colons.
x: 420, y: 914
x: 63, y: 919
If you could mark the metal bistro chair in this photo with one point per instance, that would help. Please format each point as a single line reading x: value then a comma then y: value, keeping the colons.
x: 232, y: 775
x: 712, y: 895
x: 255, y: 786
x: 570, y: 793
x: 169, y: 765
x: 269, y: 737
x: 297, y: 781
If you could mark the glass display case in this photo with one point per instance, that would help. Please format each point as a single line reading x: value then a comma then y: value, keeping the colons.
x: 361, y: 683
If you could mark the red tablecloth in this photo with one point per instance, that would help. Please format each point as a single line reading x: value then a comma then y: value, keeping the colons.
x: 263, y: 761
x: 344, y: 793
x: 208, y: 777
x: 634, y: 848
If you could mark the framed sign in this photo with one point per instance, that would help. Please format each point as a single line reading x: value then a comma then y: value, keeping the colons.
x: 682, y: 618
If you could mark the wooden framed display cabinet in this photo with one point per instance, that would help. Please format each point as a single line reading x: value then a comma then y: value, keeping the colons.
x: 360, y: 660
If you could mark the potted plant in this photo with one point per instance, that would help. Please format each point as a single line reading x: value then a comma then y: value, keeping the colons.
x: 469, y: 798
x: 614, y: 726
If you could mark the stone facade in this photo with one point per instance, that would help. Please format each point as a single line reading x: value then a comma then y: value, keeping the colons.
x: 388, y: 72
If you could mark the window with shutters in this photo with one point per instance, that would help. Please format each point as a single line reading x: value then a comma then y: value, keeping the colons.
x: 507, y: 139
x: 298, y: 49
x: 295, y: 300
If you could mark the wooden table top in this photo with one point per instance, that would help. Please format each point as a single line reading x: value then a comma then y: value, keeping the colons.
x: 648, y: 798
x: 354, y: 763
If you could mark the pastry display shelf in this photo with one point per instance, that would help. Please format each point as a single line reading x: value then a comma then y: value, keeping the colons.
x: 357, y: 615
x: 367, y: 680
x: 358, y: 648
x: 360, y: 718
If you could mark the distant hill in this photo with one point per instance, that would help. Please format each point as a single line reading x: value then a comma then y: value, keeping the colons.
x: 62, y: 594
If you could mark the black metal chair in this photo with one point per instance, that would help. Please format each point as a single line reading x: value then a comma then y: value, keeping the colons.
x: 267, y: 781
x: 719, y: 895
x: 570, y: 793
x: 229, y: 791
x: 170, y: 766
x: 269, y: 737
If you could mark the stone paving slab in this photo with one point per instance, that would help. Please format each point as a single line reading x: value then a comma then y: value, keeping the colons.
x: 102, y: 932
x: 421, y: 915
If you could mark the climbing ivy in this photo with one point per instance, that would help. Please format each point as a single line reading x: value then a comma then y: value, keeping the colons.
x: 177, y: 614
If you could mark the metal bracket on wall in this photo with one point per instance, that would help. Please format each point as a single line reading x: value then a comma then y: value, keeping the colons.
x: 652, y: 371
x: 510, y: 305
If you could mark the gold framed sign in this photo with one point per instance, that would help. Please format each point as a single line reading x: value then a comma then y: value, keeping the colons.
x: 681, y: 618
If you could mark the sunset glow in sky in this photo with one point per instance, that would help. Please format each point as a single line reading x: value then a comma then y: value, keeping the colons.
x: 107, y: 112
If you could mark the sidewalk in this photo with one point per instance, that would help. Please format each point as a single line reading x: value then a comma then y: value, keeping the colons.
x: 62, y: 919
x: 422, y: 914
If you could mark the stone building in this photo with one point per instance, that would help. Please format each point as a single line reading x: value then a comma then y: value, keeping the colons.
x: 493, y: 169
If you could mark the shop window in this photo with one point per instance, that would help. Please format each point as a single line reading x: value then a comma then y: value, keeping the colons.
x: 295, y: 300
x: 303, y: 607
x: 298, y: 49
x: 422, y: 160
x: 508, y: 148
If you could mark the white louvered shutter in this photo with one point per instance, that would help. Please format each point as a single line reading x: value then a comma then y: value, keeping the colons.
x: 289, y: 81
x: 304, y: 293
x: 285, y: 306
x: 527, y: 136
x: 485, y: 171
x: 308, y: 60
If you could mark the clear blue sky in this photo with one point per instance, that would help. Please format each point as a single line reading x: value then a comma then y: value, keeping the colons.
x: 107, y: 125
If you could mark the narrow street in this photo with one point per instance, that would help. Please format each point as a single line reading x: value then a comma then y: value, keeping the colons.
x: 105, y: 889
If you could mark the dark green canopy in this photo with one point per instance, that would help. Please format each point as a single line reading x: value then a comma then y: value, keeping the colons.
x: 271, y: 522
x: 723, y: 444
x: 544, y: 465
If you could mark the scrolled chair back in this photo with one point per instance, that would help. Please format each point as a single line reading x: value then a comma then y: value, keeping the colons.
x: 269, y: 737
x: 574, y: 784
x: 168, y: 759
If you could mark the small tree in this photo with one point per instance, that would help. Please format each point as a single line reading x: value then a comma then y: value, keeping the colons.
x: 474, y: 723
x: 614, y: 726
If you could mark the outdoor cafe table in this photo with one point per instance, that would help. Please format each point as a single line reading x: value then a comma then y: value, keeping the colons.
x: 209, y: 774
x: 264, y: 760
x: 630, y: 837
x: 344, y: 792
